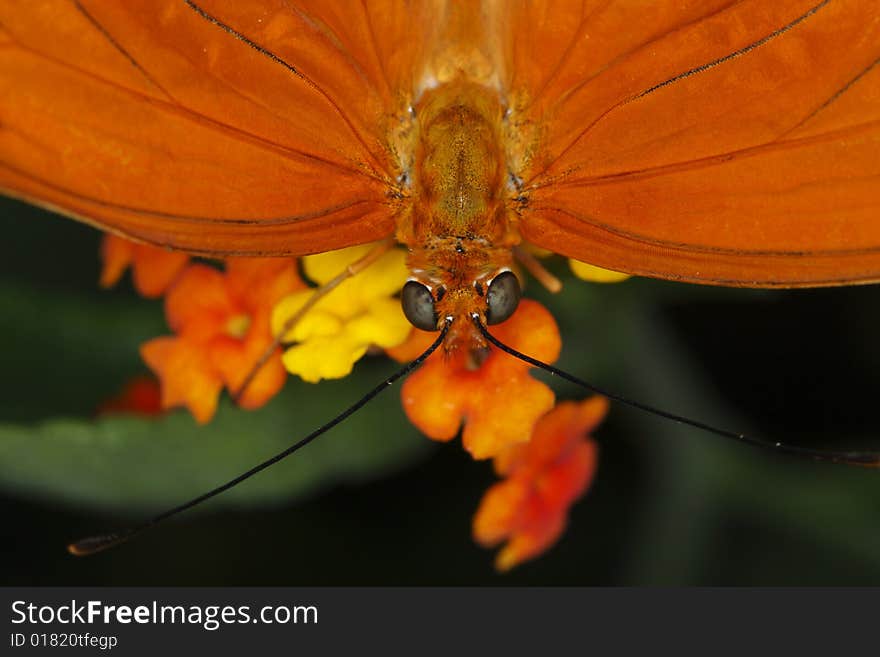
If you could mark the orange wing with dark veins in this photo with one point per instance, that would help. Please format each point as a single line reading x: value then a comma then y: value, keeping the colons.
x: 721, y: 142
x: 215, y: 127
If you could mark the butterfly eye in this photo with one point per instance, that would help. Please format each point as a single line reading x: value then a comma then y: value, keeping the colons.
x: 502, y: 298
x: 418, y: 306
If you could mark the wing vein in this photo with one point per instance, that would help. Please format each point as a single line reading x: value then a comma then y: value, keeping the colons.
x: 737, y: 53
x: 182, y: 218
x: 833, y: 98
x: 706, y: 162
x: 681, y: 76
x: 115, y: 44
x: 327, y: 34
x: 567, y: 54
x: 293, y: 70
x: 374, y: 45
x: 653, y: 39
x: 206, y: 121
x: 693, y: 248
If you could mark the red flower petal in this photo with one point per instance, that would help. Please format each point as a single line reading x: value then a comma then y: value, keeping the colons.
x: 544, y: 477
x: 140, y: 396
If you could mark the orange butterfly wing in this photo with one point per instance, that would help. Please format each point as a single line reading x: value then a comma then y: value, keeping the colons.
x: 705, y: 140
x: 215, y: 127
x: 732, y: 143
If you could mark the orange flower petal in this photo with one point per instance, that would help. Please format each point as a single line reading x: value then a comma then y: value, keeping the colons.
x: 264, y: 386
x: 222, y: 324
x: 116, y: 256
x: 567, y: 423
x: 499, y: 511
x: 199, y: 303
x: 499, y: 402
x: 502, y: 409
x: 234, y: 359
x: 187, y: 376
x: 545, y: 476
x: 531, y: 542
x: 414, y: 345
x: 563, y: 483
x: 261, y: 282
x: 153, y: 269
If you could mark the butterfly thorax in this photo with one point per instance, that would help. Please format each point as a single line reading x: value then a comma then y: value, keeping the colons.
x: 456, y: 222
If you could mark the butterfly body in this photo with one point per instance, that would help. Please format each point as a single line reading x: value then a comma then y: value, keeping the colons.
x: 457, y: 216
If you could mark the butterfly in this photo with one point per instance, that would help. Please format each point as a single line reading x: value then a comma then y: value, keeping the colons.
x: 714, y: 142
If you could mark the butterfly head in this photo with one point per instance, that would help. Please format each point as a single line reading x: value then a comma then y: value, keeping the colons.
x: 492, y: 301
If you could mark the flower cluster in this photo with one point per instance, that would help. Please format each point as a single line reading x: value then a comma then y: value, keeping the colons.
x: 244, y: 324
x: 220, y: 320
x: 447, y: 393
x: 542, y: 479
x: 221, y: 329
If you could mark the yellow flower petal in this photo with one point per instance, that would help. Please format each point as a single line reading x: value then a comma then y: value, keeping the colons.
x: 384, y: 325
x: 386, y: 276
x: 343, y: 324
x: 382, y: 278
x: 595, y: 274
x: 323, y: 267
x: 315, y: 323
x: 326, y: 357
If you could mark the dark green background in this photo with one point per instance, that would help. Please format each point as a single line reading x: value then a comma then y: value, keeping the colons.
x: 374, y: 502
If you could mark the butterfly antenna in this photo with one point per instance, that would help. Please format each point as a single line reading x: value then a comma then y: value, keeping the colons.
x: 863, y: 458
x: 94, y: 544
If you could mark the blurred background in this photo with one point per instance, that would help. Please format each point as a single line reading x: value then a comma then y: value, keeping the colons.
x: 374, y: 502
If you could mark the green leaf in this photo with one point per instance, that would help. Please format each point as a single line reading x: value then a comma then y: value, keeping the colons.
x: 702, y: 485
x: 125, y: 462
x: 68, y: 346
x: 64, y: 353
